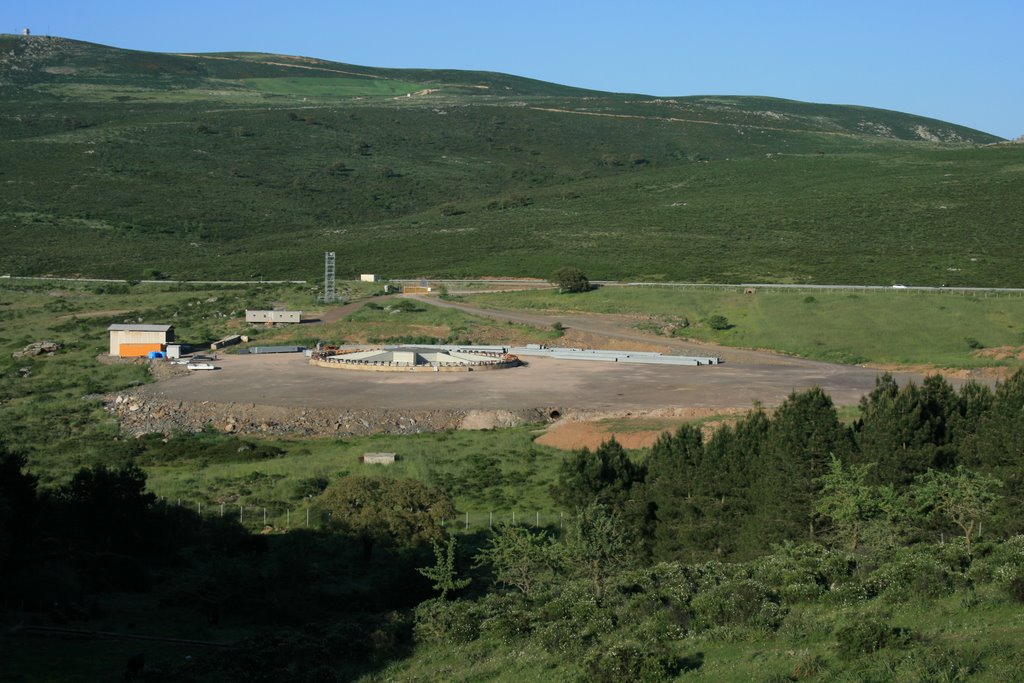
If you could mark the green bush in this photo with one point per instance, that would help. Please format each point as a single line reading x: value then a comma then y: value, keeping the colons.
x: 447, y: 622
x: 506, y: 618
x: 719, y: 322
x: 631, y: 661
x: 738, y: 602
x: 1000, y: 563
x: 570, y: 280
x: 912, y: 573
x: 574, y: 620
x: 800, y: 573
x: 868, y: 634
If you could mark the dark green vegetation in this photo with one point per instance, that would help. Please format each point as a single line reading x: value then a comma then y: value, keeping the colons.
x: 235, y: 165
x: 782, y: 547
x: 569, y: 280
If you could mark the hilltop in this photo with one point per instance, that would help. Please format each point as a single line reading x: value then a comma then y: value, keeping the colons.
x: 129, y: 164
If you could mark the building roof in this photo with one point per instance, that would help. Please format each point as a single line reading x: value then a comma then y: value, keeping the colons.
x: 131, y: 327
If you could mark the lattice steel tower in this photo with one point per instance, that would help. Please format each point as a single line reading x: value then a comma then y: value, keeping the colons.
x: 329, y: 293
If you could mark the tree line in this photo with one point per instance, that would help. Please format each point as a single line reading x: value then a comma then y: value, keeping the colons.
x: 786, y: 476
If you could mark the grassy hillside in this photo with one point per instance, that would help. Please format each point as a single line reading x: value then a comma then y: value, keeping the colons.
x: 238, y: 164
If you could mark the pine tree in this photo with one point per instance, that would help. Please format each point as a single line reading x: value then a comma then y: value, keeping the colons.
x: 805, y: 434
x: 997, y: 447
x: 672, y: 493
x: 605, y: 476
x: 906, y: 431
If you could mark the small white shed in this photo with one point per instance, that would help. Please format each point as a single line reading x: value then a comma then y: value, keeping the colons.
x: 378, y: 458
x: 132, y: 340
x: 274, y: 317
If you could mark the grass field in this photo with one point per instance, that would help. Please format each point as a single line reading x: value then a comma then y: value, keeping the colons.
x: 904, y: 327
x: 486, y: 472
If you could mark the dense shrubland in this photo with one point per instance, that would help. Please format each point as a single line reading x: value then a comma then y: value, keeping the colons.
x: 139, y: 164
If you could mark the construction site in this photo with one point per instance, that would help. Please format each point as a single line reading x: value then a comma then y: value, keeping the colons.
x: 610, y: 370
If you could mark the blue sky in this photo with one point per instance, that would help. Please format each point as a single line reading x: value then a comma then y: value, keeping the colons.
x: 956, y: 61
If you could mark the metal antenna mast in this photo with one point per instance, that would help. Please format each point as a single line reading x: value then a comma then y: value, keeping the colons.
x: 329, y: 293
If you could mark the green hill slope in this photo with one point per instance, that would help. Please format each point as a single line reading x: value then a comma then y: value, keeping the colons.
x: 118, y: 163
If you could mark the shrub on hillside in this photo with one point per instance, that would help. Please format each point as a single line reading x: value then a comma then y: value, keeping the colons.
x: 916, y: 572
x: 574, y: 620
x: 868, y: 634
x: 507, y: 618
x: 663, y: 592
x: 447, y: 622
x: 719, y: 322
x: 800, y: 573
x: 999, y: 563
x: 631, y: 661
x: 738, y: 602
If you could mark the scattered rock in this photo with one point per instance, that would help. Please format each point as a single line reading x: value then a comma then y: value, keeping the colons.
x: 37, y: 349
x: 142, y: 413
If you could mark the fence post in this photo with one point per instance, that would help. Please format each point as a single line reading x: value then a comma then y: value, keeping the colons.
x: 513, y: 518
x: 307, y: 516
x: 222, y: 509
x: 537, y: 523
x: 264, y: 516
x: 467, y: 521
x: 240, y: 508
x: 490, y: 520
x: 288, y: 519
x: 200, y: 506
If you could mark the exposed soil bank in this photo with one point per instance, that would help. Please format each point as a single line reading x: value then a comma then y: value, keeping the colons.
x: 140, y: 413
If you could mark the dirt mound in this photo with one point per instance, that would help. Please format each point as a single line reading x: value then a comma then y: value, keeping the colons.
x: 1001, y: 352
x: 989, y: 374
x: 571, y: 436
x: 632, y: 430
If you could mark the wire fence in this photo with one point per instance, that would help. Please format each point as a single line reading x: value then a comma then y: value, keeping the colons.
x: 269, y: 518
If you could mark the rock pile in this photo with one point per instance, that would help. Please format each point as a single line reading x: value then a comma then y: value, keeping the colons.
x: 37, y: 349
x: 141, y: 413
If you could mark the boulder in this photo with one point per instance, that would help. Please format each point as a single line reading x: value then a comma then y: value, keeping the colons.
x: 37, y: 349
